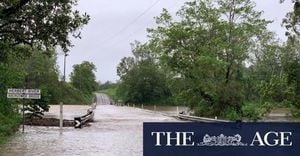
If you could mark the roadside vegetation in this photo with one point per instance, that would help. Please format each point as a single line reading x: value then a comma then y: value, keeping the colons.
x: 9, y: 124
x: 218, y: 58
x: 29, y: 38
x: 111, y: 92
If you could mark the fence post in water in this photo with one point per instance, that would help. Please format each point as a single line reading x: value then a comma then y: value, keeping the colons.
x: 23, y: 127
x: 133, y: 105
x: 142, y: 106
x: 61, y: 117
x: 154, y: 107
x: 177, y: 110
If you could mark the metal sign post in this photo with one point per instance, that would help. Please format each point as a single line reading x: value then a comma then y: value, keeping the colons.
x: 14, y: 93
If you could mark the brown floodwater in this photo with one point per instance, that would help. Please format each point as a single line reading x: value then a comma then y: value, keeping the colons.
x: 117, y: 131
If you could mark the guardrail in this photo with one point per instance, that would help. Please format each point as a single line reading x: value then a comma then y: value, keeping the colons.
x: 177, y: 115
x: 199, y: 119
x: 79, y: 122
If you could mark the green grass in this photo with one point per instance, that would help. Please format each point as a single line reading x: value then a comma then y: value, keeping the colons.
x: 111, y: 92
x: 297, y: 119
x: 8, y: 126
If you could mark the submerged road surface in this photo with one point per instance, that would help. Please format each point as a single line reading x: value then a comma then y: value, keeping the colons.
x: 117, y: 131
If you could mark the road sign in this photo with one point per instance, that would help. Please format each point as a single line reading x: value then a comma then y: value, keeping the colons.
x: 26, y: 91
x: 14, y: 93
x: 23, y: 96
x: 77, y: 122
x: 33, y: 96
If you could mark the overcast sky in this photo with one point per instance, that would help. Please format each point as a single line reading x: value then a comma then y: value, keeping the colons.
x: 115, y: 24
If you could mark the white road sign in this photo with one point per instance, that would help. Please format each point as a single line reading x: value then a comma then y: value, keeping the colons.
x: 23, y: 96
x: 26, y: 91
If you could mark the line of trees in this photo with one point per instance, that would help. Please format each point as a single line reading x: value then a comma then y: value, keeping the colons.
x: 218, y: 58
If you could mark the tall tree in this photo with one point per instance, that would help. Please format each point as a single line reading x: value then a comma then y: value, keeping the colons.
x: 142, y: 80
x: 83, y: 77
x: 207, y: 48
x: 292, y: 20
x: 292, y: 55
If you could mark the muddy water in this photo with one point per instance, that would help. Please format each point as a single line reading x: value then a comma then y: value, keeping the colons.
x: 70, y: 111
x: 117, y: 131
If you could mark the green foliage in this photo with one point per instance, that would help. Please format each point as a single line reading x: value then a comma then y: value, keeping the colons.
x: 203, y: 109
x: 23, y: 22
x: 111, y: 92
x: 71, y: 95
x: 232, y: 114
x: 143, y: 84
x: 36, y: 108
x: 141, y: 79
x: 8, y: 125
x: 293, y: 71
x: 218, y: 58
x: 274, y: 90
x: 83, y: 77
x: 251, y: 111
x: 292, y: 20
x: 28, y: 32
x: 107, y: 85
x: 206, y: 49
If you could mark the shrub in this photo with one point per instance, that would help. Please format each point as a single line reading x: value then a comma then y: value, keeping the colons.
x: 232, y: 114
x: 8, y: 125
x: 251, y: 111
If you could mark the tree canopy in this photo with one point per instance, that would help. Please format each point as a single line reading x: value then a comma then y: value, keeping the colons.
x: 208, y: 49
x: 141, y: 80
x: 43, y: 23
x: 218, y: 57
x: 83, y: 77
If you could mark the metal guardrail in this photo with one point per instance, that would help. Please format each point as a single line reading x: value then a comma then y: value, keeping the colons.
x: 177, y: 115
x: 199, y: 119
x: 79, y: 122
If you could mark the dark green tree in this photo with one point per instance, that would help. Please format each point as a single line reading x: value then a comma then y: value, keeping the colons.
x: 83, y: 77
x: 42, y: 73
x: 207, y: 50
x: 292, y: 55
x: 43, y: 23
x: 142, y: 80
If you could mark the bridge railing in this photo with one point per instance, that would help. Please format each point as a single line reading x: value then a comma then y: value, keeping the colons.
x: 199, y: 119
x: 81, y: 121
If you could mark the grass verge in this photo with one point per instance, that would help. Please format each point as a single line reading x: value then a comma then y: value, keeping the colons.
x: 111, y: 92
x: 8, y: 126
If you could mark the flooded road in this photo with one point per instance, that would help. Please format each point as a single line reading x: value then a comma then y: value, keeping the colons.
x: 117, y: 131
x: 170, y: 110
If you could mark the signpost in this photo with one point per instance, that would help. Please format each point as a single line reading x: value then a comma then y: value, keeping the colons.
x: 14, y: 93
